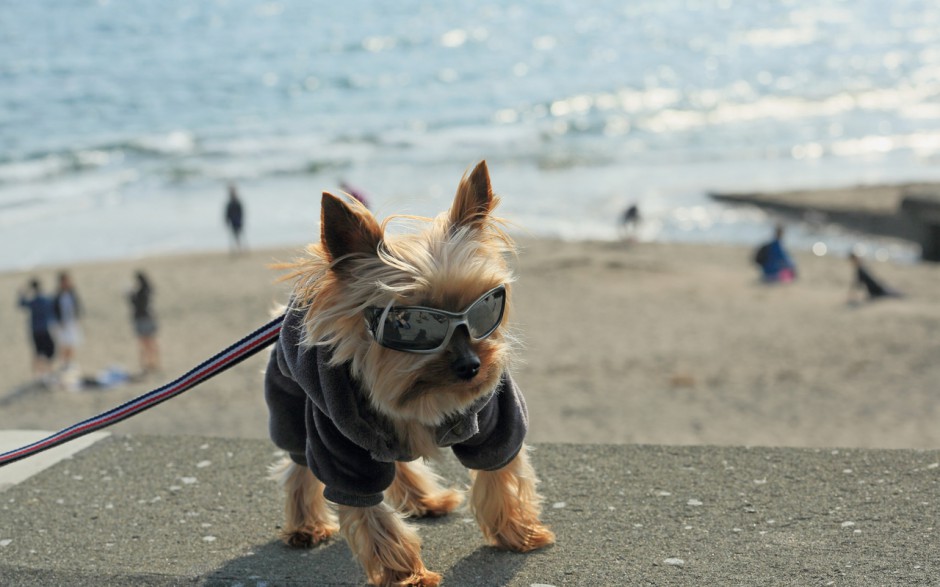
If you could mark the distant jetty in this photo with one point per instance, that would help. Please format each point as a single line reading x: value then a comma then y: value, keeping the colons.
x: 907, y: 211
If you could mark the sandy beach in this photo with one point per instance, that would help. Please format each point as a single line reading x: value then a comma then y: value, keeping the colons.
x: 624, y: 343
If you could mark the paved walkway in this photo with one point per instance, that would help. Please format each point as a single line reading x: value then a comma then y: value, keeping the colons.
x: 199, y: 511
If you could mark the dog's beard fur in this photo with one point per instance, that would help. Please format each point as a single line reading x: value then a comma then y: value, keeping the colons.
x: 456, y: 258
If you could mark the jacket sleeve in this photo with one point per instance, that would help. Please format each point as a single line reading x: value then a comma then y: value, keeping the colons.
x: 503, y: 423
x: 307, y: 421
x: 352, y: 477
x: 286, y: 405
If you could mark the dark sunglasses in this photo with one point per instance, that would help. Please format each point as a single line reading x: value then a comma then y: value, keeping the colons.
x: 417, y: 329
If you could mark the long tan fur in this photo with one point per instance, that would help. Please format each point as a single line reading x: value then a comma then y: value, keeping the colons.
x: 308, y: 518
x: 460, y: 254
x: 388, y: 548
x: 417, y: 492
x: 507, y: 506
x: 449, y: 263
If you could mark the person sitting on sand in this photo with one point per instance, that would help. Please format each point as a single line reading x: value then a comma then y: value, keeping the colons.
x: 865, y: 280
x: 775, y: 263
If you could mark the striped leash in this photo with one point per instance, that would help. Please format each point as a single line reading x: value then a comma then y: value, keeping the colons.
x: 231, y: 356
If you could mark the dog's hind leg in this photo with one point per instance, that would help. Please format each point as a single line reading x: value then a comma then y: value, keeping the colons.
x: 417, y: 492
x: 507, y: 506
x: 308, y: 519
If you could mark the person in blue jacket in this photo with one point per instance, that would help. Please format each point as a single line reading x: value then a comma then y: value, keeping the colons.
x: 774, y: 261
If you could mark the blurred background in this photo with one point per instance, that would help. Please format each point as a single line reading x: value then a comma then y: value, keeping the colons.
x: 122, y: 122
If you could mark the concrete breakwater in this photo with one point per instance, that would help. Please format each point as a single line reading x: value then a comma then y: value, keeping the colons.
x: 906, y: 211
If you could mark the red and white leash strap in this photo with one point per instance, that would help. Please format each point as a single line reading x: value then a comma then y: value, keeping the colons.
x: 238, y: 352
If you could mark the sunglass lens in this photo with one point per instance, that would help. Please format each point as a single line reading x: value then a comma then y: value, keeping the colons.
x: 485, y: 314
x: 414, y: 330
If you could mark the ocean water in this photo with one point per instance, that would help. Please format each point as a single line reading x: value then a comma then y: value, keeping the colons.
x: 121, y: 122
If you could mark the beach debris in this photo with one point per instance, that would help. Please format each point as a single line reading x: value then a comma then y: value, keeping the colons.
x: 682, y: 380
x: 676, y: 562
x: 559, y: 505
x: 694, y: 502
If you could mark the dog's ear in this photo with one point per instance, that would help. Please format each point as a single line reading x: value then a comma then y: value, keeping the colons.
x: 347, y: 228
x: 474, y: 200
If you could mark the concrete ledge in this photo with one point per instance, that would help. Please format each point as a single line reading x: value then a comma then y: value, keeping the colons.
x: 200, y: 511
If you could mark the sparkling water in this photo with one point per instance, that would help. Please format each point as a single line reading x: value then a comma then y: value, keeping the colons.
x: 122, y: 122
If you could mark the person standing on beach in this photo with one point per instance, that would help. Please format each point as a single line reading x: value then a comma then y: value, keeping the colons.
x: 145, y: 324
x: 68, y: 310
x: 235, y: 217
x: 41, y: 321
x: 630, y: 222
x: 775, y: 263
x: 865, y: 280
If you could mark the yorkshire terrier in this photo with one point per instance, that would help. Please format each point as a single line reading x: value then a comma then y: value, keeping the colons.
x: 394, y: 347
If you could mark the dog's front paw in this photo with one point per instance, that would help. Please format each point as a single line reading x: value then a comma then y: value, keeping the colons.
x: 308, y: 536
x: 419, y: 578
x: 417, y: 492
x: 433, y: 506
x: 522, y: 536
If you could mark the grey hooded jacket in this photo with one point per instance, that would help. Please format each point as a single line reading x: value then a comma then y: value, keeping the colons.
x: 323, y: 419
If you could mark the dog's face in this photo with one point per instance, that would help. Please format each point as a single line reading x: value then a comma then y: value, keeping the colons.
x: 358, y: 276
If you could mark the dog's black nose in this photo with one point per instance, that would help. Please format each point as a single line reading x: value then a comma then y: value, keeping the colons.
x: 466, y: 366
x: 466, y: 363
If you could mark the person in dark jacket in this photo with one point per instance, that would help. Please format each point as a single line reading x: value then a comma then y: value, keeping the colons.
x: 145, y: 323
x: 235, y: 217
x: 41, y: 322
x: 864, y: 280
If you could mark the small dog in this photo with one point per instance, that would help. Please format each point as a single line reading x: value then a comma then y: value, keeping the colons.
x: 393, y: 348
